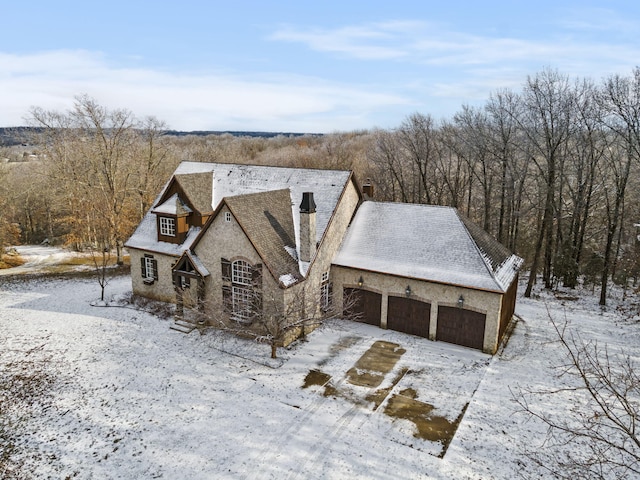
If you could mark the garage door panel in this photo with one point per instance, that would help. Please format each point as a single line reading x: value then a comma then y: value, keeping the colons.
x: 461, y: 327
x: 409, y: 316
x: 364, y: 304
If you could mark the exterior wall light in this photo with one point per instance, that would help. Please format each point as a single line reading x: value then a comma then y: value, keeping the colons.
x: 407, y: 290
x: 461, y: 301
x: 360, y: 281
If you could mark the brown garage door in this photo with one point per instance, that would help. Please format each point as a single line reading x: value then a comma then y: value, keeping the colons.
x: 409, y: 316
x: 364, y: 305
x: 460, y: 326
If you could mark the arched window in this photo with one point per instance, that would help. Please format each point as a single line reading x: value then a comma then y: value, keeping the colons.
x: 241, y: 272
x: 242, y: 283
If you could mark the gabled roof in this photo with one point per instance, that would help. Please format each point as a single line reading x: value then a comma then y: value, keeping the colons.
x: 198, y: 188
x: 192, y: 259
x: 230, y: 180
x: 172, y: 206
x: 267, y: 220
x: 428, y: 243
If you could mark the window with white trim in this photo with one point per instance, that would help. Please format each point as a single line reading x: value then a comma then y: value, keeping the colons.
x: 227, y: 216
x: 168, y: 226
x: 241, y: 272
x: 243, y: 289
x: 149, y: 269
x: 242, y: 298
x: 325, y: 292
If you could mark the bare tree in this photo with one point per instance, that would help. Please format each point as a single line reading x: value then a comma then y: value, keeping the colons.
x: 103, y: 164
x: 586, y: 150
x: 275, y: 318
x: 4, y: 224
x: 101, y: 263
x: 393, y: 175
x: 599, y: 437
x: 511, y: 150
x: 547, y: 124
x: 155, y: 159
x: 418, y: 138
x: 620, y: 99
x: 474, y: 140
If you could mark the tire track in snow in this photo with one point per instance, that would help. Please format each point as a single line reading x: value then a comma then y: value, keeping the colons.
x: 265, y: 455
x: 312, y: 458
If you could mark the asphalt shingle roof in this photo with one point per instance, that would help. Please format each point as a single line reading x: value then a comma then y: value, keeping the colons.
x: 198, y: 189
x: 208, y: 183
x: 428, y: 243
x: 267, y: 220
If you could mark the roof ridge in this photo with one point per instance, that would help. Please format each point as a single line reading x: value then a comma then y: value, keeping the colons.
x: 255, y: 165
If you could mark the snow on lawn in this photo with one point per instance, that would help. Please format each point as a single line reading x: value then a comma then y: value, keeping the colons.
x: 47, y: 258
x: 134, y: 399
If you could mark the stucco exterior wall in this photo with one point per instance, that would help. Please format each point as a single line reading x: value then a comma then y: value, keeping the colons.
x: 162, y: 289
x: 227, y: 240
x: 436, y: 294
x: 331, y: 241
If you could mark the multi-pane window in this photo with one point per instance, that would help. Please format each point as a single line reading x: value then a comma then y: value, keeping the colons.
x: 241, y: 289
x: 149, y: 269
x: 242, y: 298
x: 227, y: 216
x: 167, y: 226
x: 241, y: 272
x: 325, y: 292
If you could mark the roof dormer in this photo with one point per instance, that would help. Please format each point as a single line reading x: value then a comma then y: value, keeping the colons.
x: 172, y: 219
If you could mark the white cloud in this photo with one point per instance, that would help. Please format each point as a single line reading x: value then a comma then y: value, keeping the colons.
x: 379, y: 41
x: 191, y: 102
x: 423, y: 43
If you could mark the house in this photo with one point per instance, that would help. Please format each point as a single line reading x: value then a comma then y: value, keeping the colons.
x: 224, y: 237
x: 242, y: 242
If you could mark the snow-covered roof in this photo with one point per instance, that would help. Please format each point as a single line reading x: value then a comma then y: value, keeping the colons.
x: 326, y: 185
x: 425, y: 242
x: 173, y: 206
x: 232, y: 180
x: 197, y: 264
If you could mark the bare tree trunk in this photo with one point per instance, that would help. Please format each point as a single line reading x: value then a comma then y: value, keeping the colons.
x: 536, y: 259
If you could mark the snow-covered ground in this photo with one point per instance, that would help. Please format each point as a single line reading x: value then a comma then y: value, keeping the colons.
x: 133, y: 399
x: 41, y: 258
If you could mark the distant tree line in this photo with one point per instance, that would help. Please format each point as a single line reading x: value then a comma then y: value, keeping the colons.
x: 551, y: 170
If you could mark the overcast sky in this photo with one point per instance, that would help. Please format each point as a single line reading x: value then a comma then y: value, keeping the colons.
x: 297, y: 66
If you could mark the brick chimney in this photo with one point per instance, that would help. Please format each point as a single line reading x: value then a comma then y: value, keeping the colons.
x: 307, y: 227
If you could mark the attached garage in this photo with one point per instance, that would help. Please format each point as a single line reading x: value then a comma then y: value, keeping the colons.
x: 364, y: 304
x: 461, y: 326
x: 423, y: 258
x: 409, y: 316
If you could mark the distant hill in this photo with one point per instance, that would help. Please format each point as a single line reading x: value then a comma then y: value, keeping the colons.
x: 10, y: 136
x: 16, y: 135
x: 237, y: 133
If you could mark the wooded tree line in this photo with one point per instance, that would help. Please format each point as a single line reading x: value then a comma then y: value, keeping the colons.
x: 550, y: 170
